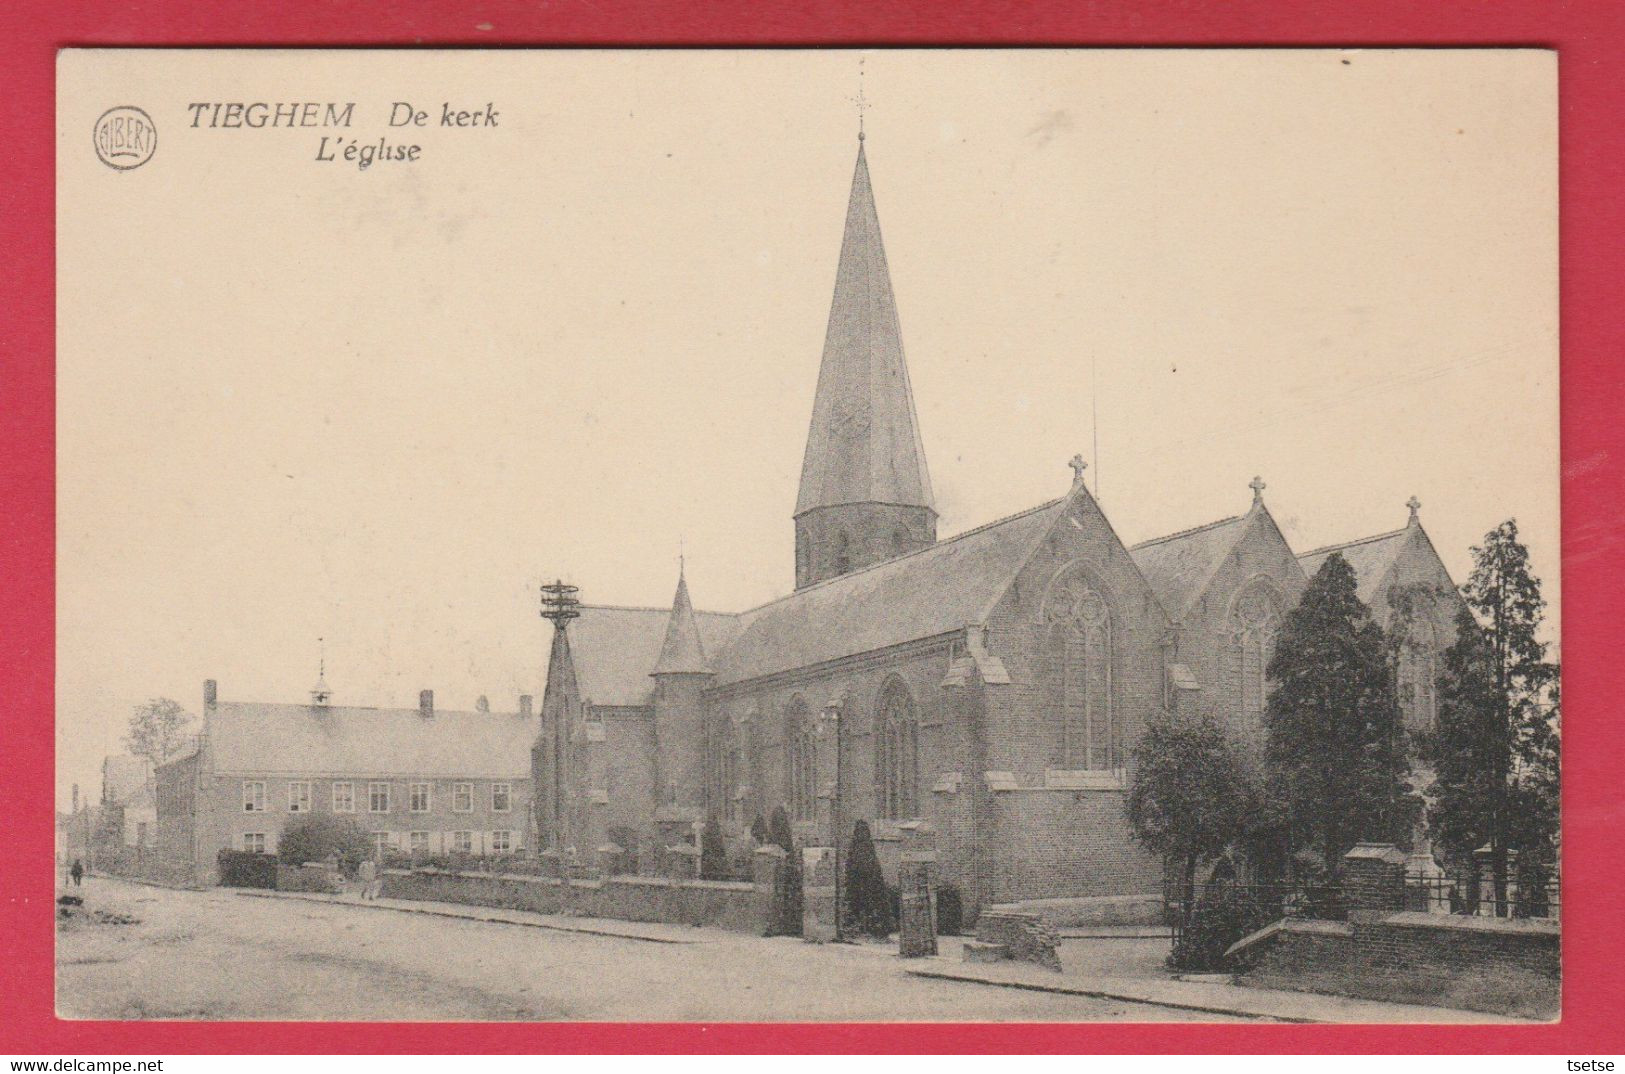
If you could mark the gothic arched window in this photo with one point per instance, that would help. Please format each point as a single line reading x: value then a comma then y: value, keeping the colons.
x: 800, y: 762
x: 897, y: 761
x: 1080, y: 639
x: 1254, y: 620
x: 724, y: 768
x: 1418, y: 675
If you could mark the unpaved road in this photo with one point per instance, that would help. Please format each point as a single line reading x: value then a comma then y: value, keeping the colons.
x: 219, y: 955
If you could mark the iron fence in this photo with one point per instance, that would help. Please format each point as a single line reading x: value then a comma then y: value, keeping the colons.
x: 1475, y: 896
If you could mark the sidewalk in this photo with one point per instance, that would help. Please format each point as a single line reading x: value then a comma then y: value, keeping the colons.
x: 1212, y: 998
x: 625, y: 930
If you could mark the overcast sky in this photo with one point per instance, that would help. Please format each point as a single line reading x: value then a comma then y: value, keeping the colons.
x: 301, y: 400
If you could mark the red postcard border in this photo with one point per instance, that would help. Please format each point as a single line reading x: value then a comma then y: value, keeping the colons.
x: 1589, y: 36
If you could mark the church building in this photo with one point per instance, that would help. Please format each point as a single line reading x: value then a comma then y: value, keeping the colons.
x: 993, y: 683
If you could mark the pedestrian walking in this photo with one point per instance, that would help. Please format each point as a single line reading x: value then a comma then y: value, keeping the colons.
x: 369, y: 879
x: 77, y: 872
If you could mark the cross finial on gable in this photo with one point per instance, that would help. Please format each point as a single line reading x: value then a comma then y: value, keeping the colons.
x: 1416, y: 506
x: 1078, y: 467
x: 1258, y: 486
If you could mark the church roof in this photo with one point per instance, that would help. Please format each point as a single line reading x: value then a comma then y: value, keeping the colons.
x: 1178, y: 566
x: 864, y: 442
x: 614, y: 649
x: 1371, y: 558
x: 682, y: 650
x: 255, y: 737
x: 920, y: 595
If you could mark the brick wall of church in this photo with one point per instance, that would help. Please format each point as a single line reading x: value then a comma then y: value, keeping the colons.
x: 1049, y: 842
x: 761, y: 713
x: 1206, y: 639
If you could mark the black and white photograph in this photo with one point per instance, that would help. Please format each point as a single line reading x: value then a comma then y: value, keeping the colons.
x: 950, y: 535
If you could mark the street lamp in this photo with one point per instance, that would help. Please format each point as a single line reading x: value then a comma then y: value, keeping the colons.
x: 830, y: 718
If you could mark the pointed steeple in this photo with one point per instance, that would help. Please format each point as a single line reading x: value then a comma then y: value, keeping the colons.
x: 682, y: 653
x: 864, y: 444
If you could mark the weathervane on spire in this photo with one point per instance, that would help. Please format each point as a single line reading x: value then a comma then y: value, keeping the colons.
x: 320, y: 694
x: 860, y: 100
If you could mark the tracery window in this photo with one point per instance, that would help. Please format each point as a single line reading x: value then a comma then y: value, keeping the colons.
x: 897, y: 762
x: 1418, y: 675
x: 800, y: 762
x: 1080, y: 639
x: 1255, y: 622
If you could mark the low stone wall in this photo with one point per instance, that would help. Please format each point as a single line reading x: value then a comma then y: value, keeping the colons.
x: 1488, y: 964
x: 1098, y: 911
x: 146, y: 866
x: 732, y: 905
x: 1014, y: 934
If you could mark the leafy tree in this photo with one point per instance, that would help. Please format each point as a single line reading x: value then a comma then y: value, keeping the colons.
x: 157, y: 730
x: 319, y: 836
x: 713, y: 853
x: 869, y: 905
x: 1335, y: 753
x: 1192, y: 796
x: 1494, y: 751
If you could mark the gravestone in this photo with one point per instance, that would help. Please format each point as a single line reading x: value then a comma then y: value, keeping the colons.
x: 818, y: 894
x: 917, y: 891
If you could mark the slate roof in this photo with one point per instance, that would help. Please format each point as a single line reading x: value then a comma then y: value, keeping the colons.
x: 1178, y: 566
x: 1371, y: 558
x: 615, y: 649
x: 920, y: 595
x: 682, y: 651
x: 864, y: 442
x: 252, y: 737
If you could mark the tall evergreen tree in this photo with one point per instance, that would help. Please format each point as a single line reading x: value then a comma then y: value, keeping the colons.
x: 713, y: 851
x: 1494, y: 751
x: 1335, y: 754
x: 869, y: 907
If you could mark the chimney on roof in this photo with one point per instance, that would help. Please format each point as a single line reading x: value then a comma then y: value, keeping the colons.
x: 483, y: 704
x: 210, y: 692
x: 524, y: 705
x: 426, y: 703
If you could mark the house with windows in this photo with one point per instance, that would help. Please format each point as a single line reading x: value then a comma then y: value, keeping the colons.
x: 992, y: 683
x: 417, y: 780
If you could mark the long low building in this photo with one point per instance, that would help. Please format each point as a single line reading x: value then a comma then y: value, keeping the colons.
x: 418, y: 780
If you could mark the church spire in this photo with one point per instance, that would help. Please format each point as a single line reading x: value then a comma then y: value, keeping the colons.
x: 682, y: 652
x: 864, y: 444
x: 863, y: 447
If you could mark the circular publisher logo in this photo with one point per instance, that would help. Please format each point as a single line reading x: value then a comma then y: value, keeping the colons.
x: 125, y: 137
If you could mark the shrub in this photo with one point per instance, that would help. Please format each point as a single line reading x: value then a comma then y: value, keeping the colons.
x: 758, y: 830
x: 871, y: 906
x: 713, y: 853
x: 950, y: 910
x: 318, y: 837
x: 1224, y: 914
x: 787, y: 906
